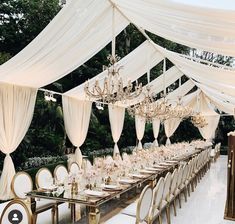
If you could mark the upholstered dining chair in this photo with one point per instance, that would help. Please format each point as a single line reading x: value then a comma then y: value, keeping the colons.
x: 165, y: 197
x: 182, y: 186
x: 74, y: 168
x: 179, y: 181
x: 23, y: 214
x: 60, y: 173
x: 142, y: 208
x: 155, y: 211
x: 173, y: 188
x: 21, y: 184
x: 44, y: 178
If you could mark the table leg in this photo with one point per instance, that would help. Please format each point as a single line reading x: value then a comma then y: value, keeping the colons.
x: 93, y: 215
x: 73, y: 212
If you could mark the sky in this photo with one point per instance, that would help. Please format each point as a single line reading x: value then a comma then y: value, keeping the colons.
x: 220, y: 4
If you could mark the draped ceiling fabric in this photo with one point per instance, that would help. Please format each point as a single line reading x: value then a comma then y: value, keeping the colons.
x: 156, y: 126
x: 202, y: 104
x: 79, y: 31
x: 140, y: 128
x: 213, y: 77
x: 204, y: 28
x: 16, y: 112
x: 116, y: 119
x: 76, y: 119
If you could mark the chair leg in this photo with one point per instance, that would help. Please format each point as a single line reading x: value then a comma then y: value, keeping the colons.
x: 160, y: 219
x: 179, y: 200
x: 53, y: 216
x: 56, y: 214
x: 168, y: 215
x: 185, y: 194
x: 34, y: 218
x: 174, y: 205
x: 188, y: 188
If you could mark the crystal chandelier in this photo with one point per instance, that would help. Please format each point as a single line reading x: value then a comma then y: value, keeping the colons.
x: 198, y: 120
x: 180, y: 111
x: 148, y: 108
x: 112, y: 89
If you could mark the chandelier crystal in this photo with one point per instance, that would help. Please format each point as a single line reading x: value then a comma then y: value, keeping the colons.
x: 112, y: 89
x: 198, y: 120
x: 149, y: 108
x: 180, y: 111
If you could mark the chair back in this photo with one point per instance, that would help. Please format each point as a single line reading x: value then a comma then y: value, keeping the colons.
x: 158, y: 193
x: 44, y: 178
x: 74, y: 168
x: 167, y: 185
x: 21, y: 184
x: 16, y: 211
x: 174, y: 180
x: 180, y: 176
x: 144, y: 204
x: 185, y: 173
x: 60, y: 173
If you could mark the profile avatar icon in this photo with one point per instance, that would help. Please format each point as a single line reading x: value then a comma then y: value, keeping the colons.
x: 15, y: 217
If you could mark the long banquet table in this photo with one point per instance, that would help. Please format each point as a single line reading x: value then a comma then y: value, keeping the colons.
x: 93, y: 203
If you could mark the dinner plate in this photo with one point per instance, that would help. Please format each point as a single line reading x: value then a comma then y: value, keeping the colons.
x: 96, y: 193
x: 49, y: 188
x: 159, y: 167
x: 127, y: 181
x: 110, y: 187
x: 147, y: 171
x: 139, y: 176
x: 151, y: 168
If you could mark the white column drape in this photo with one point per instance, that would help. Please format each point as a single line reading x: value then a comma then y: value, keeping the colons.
x: 16, y: 112
x: 170, y: 127
x: 156, y: 127
x: 76, y: 119
x: 140, y: 128
x: 116, y: 119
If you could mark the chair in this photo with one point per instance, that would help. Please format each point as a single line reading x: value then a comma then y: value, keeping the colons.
x: 155, y: 211
x: 60, y: 173
x: 21, y: 184
x: 179, y: 181
x: 182, y: 186
x: 74, y: 168
x: 173, y: 188
x: 44, y: 178
x: 24, y: 214
x: 213, y: 154
x: 142, y: 209
x: 166, y: 195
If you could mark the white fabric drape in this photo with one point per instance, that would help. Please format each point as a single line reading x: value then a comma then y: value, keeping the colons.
x: 170, y: 127
x: 140, y: 128
x: 16, y: 112
x: 116, y: 119
x: 202, y: 104
x: 209, y: 75
x: 78, y: 32
x: 204, y: 28
x: 76, y: 119
x: 156, y: 126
